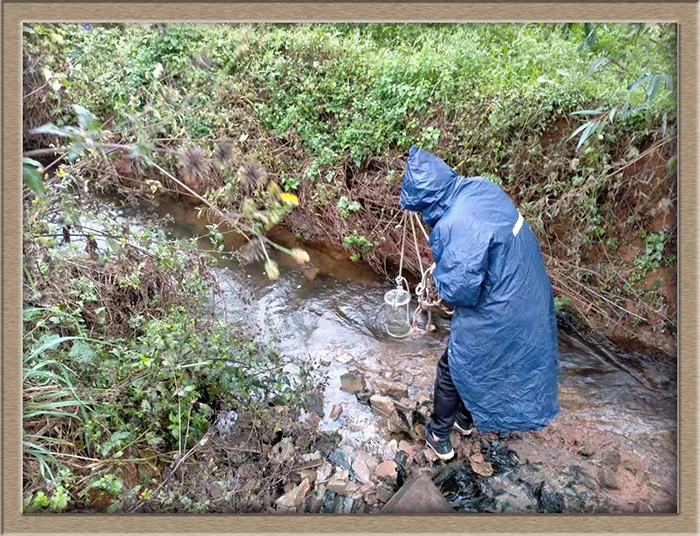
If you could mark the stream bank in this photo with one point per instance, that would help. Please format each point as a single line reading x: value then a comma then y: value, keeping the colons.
x: 611, y: 449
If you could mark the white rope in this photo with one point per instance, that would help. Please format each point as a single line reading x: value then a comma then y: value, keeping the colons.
x: 428, y: 297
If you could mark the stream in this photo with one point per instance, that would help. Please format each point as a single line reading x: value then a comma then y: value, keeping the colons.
x: 613, y: 447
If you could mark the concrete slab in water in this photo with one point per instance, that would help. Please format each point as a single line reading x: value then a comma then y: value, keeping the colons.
x: 418, y: 496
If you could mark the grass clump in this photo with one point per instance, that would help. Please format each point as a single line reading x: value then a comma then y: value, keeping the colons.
x: 127, y: 363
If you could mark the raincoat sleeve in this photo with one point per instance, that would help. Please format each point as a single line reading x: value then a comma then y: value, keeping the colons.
x: 461, y: 262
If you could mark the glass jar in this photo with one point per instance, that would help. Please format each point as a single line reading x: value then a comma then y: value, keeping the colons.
x: 397, y: 315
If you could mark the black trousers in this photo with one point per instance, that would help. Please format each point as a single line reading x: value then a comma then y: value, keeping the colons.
x: 447, y: 405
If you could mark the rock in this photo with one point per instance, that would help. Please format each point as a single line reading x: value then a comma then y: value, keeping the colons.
x: 313, y: 419
x: 324, y: 472
x: 397, y: 422
x: 390, y: 388
x: 607, y: 479
x: 382, y: 404
x: 336, y: 412
x: 312, y: 456
x: 386, y: 469
x: 325, y: 363
x: 480, y: 466
x: 339, y: 457
x: 309, y: 474
x: 353, y: 490
x: 359, y: 506
x: 311, y: 461
x: 352, y: 382
x: 344, y: 358
x: 338, y: 483
x: 430, y: 455
x: 405, y: 404
x: 384, y: 494
x: 314, y: 400
x: 226, y: 421
x: 345, y: 507
x: 390, y: 450
x: 363, y: 466
x: 314, y: 502
x: 406, y: 447
x: 630, y: 466
x: 418, y: 496
x: 293, y: 499
x: 612, y: 459
x: 328, y: 505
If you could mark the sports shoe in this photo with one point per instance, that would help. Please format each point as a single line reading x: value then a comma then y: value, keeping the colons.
x: 441, y: 447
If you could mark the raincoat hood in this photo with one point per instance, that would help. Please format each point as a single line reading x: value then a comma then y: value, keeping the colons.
x: 428, y: 184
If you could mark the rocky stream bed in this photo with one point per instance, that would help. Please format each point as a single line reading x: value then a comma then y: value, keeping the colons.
x: 611, y: 449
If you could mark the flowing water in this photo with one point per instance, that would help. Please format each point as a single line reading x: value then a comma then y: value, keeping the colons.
x: 618, y: 410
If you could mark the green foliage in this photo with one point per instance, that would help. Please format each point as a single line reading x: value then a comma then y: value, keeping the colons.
x: 151, y: 389
x: 346, y: 91
x: 347, y: 208
x: 652, y: 259
x: 32, y: 173
x: 358, y: 243
x: 561, y: 303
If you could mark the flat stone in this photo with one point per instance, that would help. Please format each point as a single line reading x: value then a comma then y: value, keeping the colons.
x: 382, y: 404
x: 389, y: 388
x: 607, y: 478
x: 418, y: 496
x: 328, y: 502
x: 338, y: 483
x: 386, y: 469
x: 293, y: 499
x: 340, y: 457
x: 352, y: 382
x: 363, y: 466
x: 336, y: 412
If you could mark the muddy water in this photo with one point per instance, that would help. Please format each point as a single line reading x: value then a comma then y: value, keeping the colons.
x: 618, y: 411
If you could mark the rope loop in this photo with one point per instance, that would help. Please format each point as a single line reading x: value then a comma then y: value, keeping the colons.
x: 428, y: 297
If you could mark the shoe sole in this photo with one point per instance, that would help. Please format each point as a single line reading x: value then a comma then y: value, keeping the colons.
x: 443, y: 457
x: 462, y: 431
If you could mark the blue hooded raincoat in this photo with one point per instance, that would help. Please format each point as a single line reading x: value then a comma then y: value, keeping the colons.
x: 502, y: 350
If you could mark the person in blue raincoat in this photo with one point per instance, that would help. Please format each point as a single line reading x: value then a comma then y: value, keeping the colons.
x: 500, y: 369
